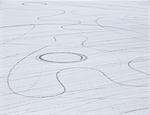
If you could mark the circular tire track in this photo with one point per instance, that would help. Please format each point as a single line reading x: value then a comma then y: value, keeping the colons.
x: 81, y: 57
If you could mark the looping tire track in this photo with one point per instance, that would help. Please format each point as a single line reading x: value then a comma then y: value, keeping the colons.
x: 57, y: 77
x: 130, y: 66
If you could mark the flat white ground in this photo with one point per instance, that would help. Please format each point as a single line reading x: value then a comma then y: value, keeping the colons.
x: 74, y: 58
